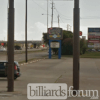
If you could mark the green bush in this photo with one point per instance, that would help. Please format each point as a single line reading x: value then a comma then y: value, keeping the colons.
x: 67, y: 44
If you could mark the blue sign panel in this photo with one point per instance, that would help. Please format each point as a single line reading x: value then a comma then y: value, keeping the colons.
x: 93, y: 29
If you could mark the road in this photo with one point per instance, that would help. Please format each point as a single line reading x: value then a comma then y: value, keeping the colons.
x: 21, y: 57
x: 54, y: 71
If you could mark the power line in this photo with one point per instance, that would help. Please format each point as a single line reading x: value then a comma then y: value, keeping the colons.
x: 38, y: 5
x: 54, y: 0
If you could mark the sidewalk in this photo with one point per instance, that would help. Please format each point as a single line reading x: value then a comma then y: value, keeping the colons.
x: 53, y: 71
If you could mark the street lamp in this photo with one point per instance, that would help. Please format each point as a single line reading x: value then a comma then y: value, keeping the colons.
x: 47, y: 20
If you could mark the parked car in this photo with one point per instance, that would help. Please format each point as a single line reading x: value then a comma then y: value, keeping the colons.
x: 17, y: 48
x: 3, y: 69
x: 94, y: 50
x: 90, y: 50
x: 98, y: 50
x: 2, y: 49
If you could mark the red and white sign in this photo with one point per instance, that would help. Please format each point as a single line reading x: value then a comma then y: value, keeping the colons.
x: 80, y: 33
x: 93, y: 36
x: 93, y: 41
x: 2, y: 44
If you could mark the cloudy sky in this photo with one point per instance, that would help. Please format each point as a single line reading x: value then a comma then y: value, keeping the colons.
x: 37, y: 23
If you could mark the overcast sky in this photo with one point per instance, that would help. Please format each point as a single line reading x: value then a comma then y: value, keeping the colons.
x: 37, y: 23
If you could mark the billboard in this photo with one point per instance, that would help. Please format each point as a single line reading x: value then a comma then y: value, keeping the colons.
x: 94, y: 35
x: 55, y: 33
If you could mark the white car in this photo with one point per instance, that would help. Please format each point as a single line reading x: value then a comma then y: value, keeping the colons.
x: 2, y: 49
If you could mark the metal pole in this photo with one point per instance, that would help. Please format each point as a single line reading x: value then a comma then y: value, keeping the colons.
x: 67, y: 27
x: 26, y: 33
x: 76, y: 50
x: 10, y: 65
x: 58, y: 21
x: 47, y: 16
x: 52, y: 14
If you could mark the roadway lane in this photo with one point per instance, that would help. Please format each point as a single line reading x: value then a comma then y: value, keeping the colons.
x: 21, y: 57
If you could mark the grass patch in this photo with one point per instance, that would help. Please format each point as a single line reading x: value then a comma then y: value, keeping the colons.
x: 91, y: 55
x: 86, y: 55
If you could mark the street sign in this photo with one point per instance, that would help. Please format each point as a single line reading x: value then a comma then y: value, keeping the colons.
x: 80, y: 33
x: 54, y: 45
x: 55, y: 33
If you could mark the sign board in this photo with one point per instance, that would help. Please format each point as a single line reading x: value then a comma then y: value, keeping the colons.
x: 94, y: 35
x: 54, y: 45
x: 80, y: 33
x: 97, y: 45
x: 55, y: 33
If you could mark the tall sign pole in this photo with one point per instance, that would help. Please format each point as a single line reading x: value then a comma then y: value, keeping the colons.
x: 10, y: 73
x: 76, y: 50
x: 26, y: 33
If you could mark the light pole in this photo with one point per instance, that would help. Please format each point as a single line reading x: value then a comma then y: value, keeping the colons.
x: 10, y: 65
x: 26, y: 33
x: 47, y: 20
x: 76, y: 50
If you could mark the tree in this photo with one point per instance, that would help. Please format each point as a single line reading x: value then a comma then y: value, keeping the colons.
x: 46, y: 41
x: 67, y: 34
x: 83, y: 46
x: 67, y: 46
x: 67, y: 43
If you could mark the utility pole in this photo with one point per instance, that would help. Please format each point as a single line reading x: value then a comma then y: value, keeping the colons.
x: 67, y: 27
x: 47, y: 16
x: 26, y: 33
x: 58, y: 21
x: 52, y: 14
x: 70, y: 28
x: 76, y: 47
x: 10, y: 64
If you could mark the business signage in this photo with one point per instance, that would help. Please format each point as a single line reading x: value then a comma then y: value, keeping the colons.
x: 93, y: 35
x: 80, y: 33
x: 2, y: 44
x: 54, y: 45
x: 55, y: 33
x: 97, y: 45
